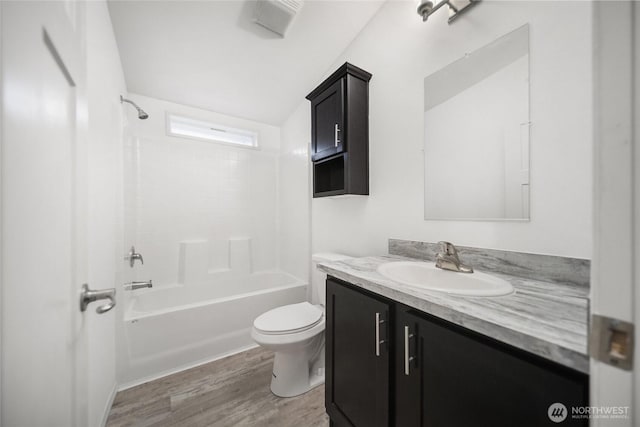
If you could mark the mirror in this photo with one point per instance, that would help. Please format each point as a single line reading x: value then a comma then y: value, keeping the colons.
x: 476, y: 134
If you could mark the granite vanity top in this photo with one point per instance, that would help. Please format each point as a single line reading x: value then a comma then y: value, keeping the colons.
x: 542, y: 317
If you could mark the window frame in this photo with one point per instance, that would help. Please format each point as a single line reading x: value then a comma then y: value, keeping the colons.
x: 253, y: 133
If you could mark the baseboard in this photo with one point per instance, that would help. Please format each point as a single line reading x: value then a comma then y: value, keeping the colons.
x: 181, y: 368
x: 109, y: 404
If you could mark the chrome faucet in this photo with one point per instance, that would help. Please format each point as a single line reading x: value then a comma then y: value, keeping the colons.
x: 448, y: 259
x: 132, y: 286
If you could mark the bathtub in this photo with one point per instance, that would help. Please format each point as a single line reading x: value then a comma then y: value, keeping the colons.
x: 173, y: 328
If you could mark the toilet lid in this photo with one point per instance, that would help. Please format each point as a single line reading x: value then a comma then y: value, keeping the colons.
x: 289, y: 318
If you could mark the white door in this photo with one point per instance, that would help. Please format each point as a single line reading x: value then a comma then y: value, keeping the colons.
x: 616, y: 255
x: 43, y: 214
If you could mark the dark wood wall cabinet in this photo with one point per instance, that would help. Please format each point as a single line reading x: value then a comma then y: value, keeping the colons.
x: 340, y: 133
x: 391, y: 365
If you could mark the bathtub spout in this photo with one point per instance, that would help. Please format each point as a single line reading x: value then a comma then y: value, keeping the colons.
x: 132, y: 286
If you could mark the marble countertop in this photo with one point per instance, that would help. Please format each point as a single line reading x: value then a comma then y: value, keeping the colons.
x: 542, y: 317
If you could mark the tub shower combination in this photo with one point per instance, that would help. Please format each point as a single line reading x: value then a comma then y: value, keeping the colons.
x: 171, y: 328
x: 204, y: 216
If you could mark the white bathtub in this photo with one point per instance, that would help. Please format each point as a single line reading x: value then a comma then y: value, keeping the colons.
x: 174, y: 328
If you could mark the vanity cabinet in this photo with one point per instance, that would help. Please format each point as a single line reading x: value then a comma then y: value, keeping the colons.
x: 437, y: 374
x: 340, y: 133
x: 449, y: 376
x: 357, y: 370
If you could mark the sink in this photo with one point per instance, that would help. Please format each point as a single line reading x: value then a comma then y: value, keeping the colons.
x: 424, y: 275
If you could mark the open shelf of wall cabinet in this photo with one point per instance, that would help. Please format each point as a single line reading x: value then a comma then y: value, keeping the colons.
x: 340, y: 133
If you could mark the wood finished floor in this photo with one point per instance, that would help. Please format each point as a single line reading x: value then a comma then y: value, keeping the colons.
x: 230, y: 392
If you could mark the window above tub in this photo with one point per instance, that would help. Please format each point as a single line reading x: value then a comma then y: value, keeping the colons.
x: 185, y: 127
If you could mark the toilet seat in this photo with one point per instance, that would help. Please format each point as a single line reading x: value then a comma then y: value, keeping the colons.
x: 289, y: 319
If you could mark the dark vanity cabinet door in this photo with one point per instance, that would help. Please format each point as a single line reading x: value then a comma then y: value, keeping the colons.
x: 327, y: 121
x: 357, y: 364
x: 454, y: 377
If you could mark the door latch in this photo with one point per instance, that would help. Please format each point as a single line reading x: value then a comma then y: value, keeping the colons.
x: 611, y: 341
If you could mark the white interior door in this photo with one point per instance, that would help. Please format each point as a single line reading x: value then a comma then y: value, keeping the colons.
x: 43, y: 219
x: 616, y: 254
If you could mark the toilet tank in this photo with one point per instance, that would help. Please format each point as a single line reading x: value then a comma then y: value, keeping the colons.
x: 318, y: 278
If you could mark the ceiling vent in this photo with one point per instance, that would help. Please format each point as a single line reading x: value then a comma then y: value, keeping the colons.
x: 277, y: 15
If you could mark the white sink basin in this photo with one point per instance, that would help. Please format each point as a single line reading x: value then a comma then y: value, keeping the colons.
x: 425, y: 275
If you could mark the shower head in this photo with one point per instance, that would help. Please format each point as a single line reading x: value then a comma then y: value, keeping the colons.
x: 141, y: 113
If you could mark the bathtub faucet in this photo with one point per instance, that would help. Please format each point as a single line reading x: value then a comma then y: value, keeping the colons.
x: 132, y: 286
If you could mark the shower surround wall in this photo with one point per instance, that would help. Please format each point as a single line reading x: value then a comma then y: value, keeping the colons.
x: 193, y: 203
x: 206, y: 218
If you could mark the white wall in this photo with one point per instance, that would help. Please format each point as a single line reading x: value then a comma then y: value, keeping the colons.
x: 105, y: 82
x: 181, y: 189
x: 294, y: 206
x: 400, y: 50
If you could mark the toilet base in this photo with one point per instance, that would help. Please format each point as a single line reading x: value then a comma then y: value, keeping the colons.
x: 291, y: 376
x: 297, y: 372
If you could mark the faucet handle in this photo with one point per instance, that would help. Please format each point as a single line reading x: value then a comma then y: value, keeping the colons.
x: 133, y: 256
x: 448, y: 248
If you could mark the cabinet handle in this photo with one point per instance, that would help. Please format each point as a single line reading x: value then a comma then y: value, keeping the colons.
x: 336, y: 139
x: 407, y: 359
x: 379, y: 321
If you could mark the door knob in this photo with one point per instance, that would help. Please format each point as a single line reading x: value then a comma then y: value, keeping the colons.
x: 88, y: 296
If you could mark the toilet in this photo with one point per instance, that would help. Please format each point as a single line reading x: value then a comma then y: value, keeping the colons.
x: 295, y: 332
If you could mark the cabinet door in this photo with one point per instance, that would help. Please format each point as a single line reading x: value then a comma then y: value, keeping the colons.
x: 327, y: 122
x: 357, y: 375
x: 459, y: 378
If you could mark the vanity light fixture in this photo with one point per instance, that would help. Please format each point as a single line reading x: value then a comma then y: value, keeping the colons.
x: 456, y: 7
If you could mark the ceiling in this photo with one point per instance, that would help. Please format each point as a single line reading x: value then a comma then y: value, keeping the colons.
x: 210, y: 54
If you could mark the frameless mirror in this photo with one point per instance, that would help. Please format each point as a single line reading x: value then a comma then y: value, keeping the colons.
x: 476, y: 134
